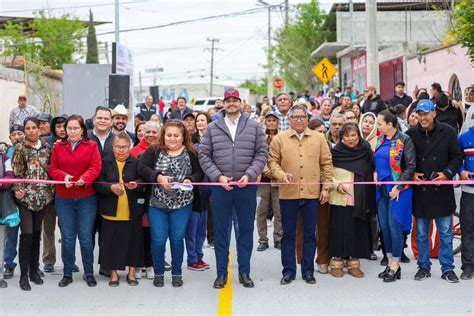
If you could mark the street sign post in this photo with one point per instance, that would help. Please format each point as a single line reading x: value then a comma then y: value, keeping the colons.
x: 324, y: 70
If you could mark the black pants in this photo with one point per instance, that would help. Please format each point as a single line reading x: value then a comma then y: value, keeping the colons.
x: 210, y: 226
x: 467, y: 228
x: 30, y: 237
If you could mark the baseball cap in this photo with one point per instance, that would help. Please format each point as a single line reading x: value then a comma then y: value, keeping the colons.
x: 231, y: 93
x: 189, y: 114
x: 425, y: 106
x: 271, y: 114
x: 16, y: 128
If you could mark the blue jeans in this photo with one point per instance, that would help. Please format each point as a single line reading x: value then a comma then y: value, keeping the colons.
x: 164, y: 224
x: 76, y: 220
x: 444, y: 225
x: 392, y: 231
x: 289, y: 215
x: 11, y: 241
x: 195, y: 236
x: 244, y: 202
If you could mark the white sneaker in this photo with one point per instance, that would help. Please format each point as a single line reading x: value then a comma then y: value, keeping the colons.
x: 138, y: 274
x: 150, y: 274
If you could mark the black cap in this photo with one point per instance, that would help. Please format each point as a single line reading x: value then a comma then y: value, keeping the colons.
x: 188, y: 114
x: 16, y: 128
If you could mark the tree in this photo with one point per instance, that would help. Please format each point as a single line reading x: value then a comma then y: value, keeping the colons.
x: 54, y: 43
x: 297, y: 40
x: 463, y: 26
x: 92, y: 49
x: 258, y: 87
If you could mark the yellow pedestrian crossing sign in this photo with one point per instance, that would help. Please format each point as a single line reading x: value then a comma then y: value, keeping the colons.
x: 324, y: 70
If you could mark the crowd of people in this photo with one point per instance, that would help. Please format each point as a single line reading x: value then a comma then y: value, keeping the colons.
x: 186, y: 176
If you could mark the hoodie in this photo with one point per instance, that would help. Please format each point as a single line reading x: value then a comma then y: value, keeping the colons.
x: 466, y: 142
x: 372, y: 137
x: 51, y: 139
x: 374, y: 105
x: 405, y: 100
x: 447, y: 113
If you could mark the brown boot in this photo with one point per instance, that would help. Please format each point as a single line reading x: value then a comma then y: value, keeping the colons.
x: 353, y: 266
x: 337, y: 266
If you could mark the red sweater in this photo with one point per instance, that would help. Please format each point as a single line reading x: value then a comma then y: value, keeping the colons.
x: 84, y: 162
x: 139, y: 149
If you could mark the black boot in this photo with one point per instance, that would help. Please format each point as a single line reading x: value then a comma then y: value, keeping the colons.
x: 34, y: 263
x: 24, y: 256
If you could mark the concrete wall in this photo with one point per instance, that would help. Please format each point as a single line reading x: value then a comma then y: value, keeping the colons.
x: 440, y: 66
x: 395, y: 26
x: 85, y: 88
x: 11, y: 86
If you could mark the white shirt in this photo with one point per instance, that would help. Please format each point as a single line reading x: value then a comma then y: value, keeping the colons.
x: 103, y: 139
x: 232, y: 126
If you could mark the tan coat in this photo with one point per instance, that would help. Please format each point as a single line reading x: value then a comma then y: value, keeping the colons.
x: 308, y: 161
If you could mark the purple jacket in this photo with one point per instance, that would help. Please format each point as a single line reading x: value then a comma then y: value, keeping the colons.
x: 247, y: 155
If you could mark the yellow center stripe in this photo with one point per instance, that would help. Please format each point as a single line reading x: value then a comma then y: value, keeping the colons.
x: 224, y: 306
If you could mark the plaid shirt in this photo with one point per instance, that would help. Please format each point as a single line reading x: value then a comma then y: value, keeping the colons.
x: 18, y: 115
x: 283, y: 121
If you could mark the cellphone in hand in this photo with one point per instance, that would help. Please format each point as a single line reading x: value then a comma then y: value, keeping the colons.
x: 433, y: 175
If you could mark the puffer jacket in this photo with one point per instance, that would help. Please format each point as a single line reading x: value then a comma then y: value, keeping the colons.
x: 32, y: 164
x: 247, y: 155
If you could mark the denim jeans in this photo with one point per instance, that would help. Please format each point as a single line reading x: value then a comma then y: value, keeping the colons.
x: 242, y: 201
x: 444, y: 225
x: 195, y: 236
x: 289, y: 216
x: 10, y: 244
x: 164, y: 224
x: 392, y: 231
x: 76, y: 220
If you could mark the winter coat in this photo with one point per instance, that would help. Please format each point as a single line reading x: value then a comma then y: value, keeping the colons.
x: 83, y: 162
x: 176, y: 114
x: 247, y: 155
x: 108, y: 145
x: 406, y: 100
x: 436, y: 151
x: 31, y: 163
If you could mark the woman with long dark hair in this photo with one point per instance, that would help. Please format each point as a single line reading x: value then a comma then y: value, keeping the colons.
x: 30, y: 161
x: 171, y: 165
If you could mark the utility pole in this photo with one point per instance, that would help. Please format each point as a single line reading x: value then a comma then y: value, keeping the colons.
x: 287, y: 9
x: 269, y: 53
x: 371, y: 40
x: 117, y: 22
x: 351, y: 12
x: 213, y: 42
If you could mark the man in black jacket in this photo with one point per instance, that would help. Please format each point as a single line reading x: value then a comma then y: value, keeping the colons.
x: 181, y: 111
x: 400, y: 96
x: 102, y: 131
x: 446, y: 112
x: 438, y: 157
x: 373, y: 103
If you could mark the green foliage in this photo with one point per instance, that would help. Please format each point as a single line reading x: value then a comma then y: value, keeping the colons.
x: 258, y: 87
x: 92, y: 49
x: 296, y: 41
x: 463, y: 27
x: 54, y: 43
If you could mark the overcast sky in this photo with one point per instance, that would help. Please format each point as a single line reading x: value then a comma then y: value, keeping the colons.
x: 180, y: 50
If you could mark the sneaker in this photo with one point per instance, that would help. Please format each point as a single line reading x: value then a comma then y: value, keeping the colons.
x: 450, y: 276
x: 262, y: 246
x: 167, y: 266
x: 466, y: 274
x: 196, y: 266
x: 3, y: 284
x: 48, y: 268
x: 40, y: 273
x: 8, y: 273
x: 204, y: 264
x: 150, y: 273
x: 75, y: 269
x: 138, y: 274
x: 210, y: 243
x: 422, y: 274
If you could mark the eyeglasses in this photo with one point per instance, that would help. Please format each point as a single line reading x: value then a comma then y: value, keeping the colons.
x: 298, y: 118
x: 73, y: 129
x: 121, y: 148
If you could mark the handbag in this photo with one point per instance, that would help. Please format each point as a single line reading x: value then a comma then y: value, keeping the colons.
x: 9, y: 214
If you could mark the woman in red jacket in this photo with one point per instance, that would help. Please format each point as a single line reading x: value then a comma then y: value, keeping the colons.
x: 77, y: 162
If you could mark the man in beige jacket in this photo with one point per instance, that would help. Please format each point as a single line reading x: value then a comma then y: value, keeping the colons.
x: 301, y: 158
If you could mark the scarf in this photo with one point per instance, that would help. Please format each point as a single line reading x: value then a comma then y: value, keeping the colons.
x: 360, y: 161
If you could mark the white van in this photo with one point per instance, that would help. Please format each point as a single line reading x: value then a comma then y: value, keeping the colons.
x: 204, y: 104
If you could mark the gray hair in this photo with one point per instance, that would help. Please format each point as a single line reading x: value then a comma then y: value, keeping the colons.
x: 337, y: 115
x: 298, y: 107
x: 151, y: 124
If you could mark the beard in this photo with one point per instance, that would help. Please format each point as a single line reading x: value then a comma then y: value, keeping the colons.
x: 120, y: 126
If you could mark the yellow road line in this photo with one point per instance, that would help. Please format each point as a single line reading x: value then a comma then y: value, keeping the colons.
x: 224, y: 306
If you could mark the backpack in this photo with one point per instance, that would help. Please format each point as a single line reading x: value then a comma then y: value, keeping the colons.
x: 9, y: 214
